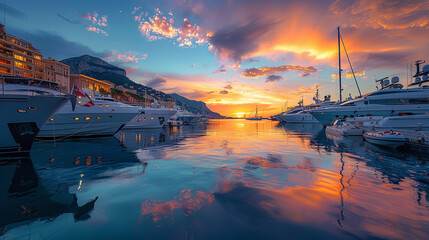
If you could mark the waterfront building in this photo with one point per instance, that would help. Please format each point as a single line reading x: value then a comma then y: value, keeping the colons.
x: 80, y: 81
x: 58, y: 72
x: 19, y: 57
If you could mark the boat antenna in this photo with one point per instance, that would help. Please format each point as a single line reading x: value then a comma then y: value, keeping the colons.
x: 339, y: 62
x: 351, y: 67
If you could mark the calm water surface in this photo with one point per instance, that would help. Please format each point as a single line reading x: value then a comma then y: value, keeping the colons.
x: 230, y: 179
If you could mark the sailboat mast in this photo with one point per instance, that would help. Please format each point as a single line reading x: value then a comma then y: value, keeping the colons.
x: 339, y: 63
x: 256, y: 110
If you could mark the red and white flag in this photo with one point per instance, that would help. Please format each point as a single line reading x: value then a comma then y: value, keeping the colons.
x: 82, y: 99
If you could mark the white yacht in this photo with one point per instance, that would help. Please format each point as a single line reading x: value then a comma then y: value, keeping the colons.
x: 186, y: 117
x: 102, y: 118
x: 301, y: 113
x: 405, y: 122
x: 23, y: 115
x: 96, y: 116
x: 154, y: 116
x: 390, y: 100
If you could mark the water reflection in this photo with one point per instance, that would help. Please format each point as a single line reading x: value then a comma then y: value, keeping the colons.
x: 232, y: 179
x: 26, y: 198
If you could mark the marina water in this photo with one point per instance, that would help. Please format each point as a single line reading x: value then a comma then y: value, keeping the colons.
x: 229, y: 179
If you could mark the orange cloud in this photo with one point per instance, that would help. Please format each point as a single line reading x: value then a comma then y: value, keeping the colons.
x: 97, y: 22
x: 159, y: 27
x: 263, y: 71
x: 349, y: 74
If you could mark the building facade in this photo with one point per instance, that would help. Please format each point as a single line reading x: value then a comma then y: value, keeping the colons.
x: 79, y: 81
x: 19, y: 58
x: 58, y: 72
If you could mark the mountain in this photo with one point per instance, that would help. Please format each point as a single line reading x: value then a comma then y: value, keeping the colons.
x: 97, y: 68
x: 195, y: 106
x: 88, y: 63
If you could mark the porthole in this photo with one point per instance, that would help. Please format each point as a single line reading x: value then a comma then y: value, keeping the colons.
x: 32, y: 108
x: 139, y: 120
x: 22, y: 110
x: 51, y: 119
x: 144, y: 118
x: 76, y: 118
x: 98, y: 117
x: 87, y: 118
x: 151, y: 118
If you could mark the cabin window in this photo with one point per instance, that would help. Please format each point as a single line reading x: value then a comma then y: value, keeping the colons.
x: 32, y: 108
x: 76, y: 118
x: 22, y: 110
x: 87, y: 118
x: 139, y: 120
x: 151, y: 118
x: 98, y: 117
x: 419, y: 101
x: 387, y: 101
x: 144, y: 118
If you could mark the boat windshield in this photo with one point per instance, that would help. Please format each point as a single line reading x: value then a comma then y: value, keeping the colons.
x: 351, y: 102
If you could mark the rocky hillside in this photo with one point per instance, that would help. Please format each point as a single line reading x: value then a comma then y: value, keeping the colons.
x: 99, y: 69
x: 88, y: 63
x: 195, y: 106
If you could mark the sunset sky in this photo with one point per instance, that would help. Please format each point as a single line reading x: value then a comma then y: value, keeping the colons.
x: 232, y: 54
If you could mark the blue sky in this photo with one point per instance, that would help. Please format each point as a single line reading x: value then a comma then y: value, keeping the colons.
x: 232, y: 53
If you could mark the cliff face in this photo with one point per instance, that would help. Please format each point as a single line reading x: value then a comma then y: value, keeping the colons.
x: 88, y: 63
x: 99, y: 69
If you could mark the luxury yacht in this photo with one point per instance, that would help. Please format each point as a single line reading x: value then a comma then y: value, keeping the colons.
x: 22, y: 118
x: 103, y: 117
x: 186, y: 117
x: 390, y: 100
x: 151, y: 117
x: 301, y: 113
x: 96, y: 116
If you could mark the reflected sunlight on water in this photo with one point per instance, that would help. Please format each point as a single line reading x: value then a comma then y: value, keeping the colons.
x: 227, y: 179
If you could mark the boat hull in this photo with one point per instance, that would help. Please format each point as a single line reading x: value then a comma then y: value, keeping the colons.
x: 385, y: 141
x: 22, y: 118
x: 298, y: 118
x: 84, y: 125
x: 150, y: 119
x: 326, y: 116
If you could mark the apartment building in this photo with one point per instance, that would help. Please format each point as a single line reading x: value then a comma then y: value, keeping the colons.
x: 58, y: 72
x: 80, y: 81
x: 19, y: 57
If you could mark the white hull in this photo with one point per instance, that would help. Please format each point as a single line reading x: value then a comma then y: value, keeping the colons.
x: 151, y: 118
x: 386, y: 141
x: 103, y: 119
x: 65, y: 125
x: 22, y: 117
x: 298, y: 118
x: 408, y: 122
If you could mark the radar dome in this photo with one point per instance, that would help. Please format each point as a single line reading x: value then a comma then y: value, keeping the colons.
x: 425, y: 77
x: 418, y: 79
x: 395, y: 79
x: 425, y: 68
x: 386, y: 82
